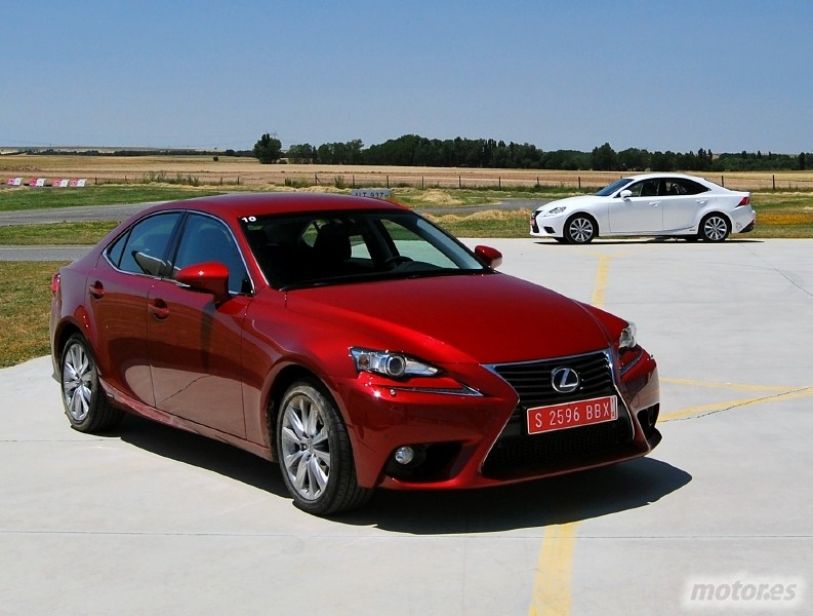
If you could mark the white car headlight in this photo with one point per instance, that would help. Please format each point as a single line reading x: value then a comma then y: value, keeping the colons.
x: 555, y: 210
x: 627, y: 338
x: 393, y: 365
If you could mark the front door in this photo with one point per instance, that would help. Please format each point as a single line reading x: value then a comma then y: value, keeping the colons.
x: 195, y: 344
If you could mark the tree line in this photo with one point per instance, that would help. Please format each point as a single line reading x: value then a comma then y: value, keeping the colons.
x: 417, y: 151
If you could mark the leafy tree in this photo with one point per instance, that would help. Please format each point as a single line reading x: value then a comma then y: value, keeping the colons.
x: 303, y: 153
x: 604, y: 158
x: 268, y: 149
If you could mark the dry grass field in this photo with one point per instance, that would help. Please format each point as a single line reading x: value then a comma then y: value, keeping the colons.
x: 204, y: 170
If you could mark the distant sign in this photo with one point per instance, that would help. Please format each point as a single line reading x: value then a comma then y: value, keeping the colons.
x: 14, y: 182
x: 63, y: 183
x: 375, y: 193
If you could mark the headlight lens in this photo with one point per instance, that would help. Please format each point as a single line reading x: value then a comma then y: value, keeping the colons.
x: 555, y: 210
x: 393, y: 365
x: 627, y: 338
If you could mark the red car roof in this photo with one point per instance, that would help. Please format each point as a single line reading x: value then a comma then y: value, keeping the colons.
x: 263, y: 204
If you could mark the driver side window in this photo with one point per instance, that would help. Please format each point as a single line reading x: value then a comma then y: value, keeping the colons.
x: 206, y: 239
x: 646, y: 188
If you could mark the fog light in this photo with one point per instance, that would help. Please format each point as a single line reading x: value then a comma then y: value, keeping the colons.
x: 404, y: 455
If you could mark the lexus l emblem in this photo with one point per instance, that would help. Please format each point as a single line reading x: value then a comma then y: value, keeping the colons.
x: 564, y: 380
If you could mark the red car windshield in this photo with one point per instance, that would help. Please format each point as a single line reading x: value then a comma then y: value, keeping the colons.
x: 340, y: 247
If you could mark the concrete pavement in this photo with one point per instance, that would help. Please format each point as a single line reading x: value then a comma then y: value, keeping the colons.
x: 150, y: 520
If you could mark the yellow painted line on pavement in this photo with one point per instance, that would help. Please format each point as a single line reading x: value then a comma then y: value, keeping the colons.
x: 554, y: 570
x: 734, y: 386
x: 600, y: 286
x: 717, y: 407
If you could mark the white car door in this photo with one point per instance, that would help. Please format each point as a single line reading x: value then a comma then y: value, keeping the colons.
x: 681, y: 200
x: 641, y: 212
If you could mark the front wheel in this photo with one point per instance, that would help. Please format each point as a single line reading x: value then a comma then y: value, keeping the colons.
x: 82, y: 395
x: 314, y: 452
x: 714, y: 228
x: 580, y: 229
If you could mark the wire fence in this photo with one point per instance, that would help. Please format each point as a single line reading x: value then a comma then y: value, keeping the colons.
x: 443, y: 179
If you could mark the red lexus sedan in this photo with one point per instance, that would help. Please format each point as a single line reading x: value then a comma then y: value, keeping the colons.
x: 351, y: 341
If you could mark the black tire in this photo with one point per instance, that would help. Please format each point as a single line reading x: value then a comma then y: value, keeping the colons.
x: 580, y: 229
x: 714, y: 228
x: 314, y: 452
x: 85, y: 401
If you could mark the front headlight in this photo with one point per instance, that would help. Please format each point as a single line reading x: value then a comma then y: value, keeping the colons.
x: 627, y: 338
x: 555, y: 210
x: 393, y: 365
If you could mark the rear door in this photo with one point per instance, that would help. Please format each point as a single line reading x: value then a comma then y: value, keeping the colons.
x: 195, y: 344
x: 682, y: 200
x: 118, y: 288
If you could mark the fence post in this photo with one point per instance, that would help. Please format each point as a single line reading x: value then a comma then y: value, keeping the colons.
x: 459, y: 181
x: 579, y: 180
x: 354, y: 180
x: 499, y: 182
x: 388, y: 181
x: 422, y: 185
x: 722, y: 181
x: 773, y: 182
x: 316, y: 178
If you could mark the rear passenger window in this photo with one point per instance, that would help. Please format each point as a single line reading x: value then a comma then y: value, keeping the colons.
x: 145, y: 248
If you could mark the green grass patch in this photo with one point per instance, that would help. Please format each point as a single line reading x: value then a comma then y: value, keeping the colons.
x: 25, y: 307
x: 452, y: 197
x: 104, y: 194
x: 55, y: 234
x: 490, y: 223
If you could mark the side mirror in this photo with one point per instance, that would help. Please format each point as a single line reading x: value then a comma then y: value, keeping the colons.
x: 490, y: 257
x: 625, y: 194
x: 211, y: 277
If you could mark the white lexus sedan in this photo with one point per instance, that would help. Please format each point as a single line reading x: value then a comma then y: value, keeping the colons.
x: 659, y: 204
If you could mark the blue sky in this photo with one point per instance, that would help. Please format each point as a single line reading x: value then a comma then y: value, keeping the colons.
x: 724, y: 75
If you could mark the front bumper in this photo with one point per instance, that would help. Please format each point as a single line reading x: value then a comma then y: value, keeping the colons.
x: 470, y: 441
x: 547, y: 226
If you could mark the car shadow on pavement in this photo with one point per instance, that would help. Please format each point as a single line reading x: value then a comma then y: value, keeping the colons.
x: 648, y: 240
x: 557, y: 500
x: 202, y: 452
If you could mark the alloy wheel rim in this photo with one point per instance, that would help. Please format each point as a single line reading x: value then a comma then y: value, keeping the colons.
x: 715, y: 228
x: 581, y: 229
x: 77, y: 382
x: 305, y: 446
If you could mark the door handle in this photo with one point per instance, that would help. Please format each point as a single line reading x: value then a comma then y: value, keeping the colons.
x: 701, y: 202
x: 654, y: 203
x: 96, y: 290
x: 159, y: 309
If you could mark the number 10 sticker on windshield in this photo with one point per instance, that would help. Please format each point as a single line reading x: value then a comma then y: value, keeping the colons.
x: 572, y: 414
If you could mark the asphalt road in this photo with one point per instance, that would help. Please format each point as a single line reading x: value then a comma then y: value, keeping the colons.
x: 79, y: 213
x: 148, y: 519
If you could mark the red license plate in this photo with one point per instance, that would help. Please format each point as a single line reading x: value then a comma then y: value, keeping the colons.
x: 572, y: 414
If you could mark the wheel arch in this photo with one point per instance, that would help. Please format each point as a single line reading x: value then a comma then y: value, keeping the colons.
x: 586, y: 214
x: 281, y: 382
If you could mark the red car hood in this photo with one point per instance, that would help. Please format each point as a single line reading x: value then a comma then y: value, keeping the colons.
x: 487, y: 318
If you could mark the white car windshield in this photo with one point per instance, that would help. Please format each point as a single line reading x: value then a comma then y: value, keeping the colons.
x: 610, y: 189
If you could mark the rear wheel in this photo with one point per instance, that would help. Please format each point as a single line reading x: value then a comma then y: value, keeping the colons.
x: 580, y: 229
x: 314, y: 452
x: 714, y: 228
x: 85, y: 403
